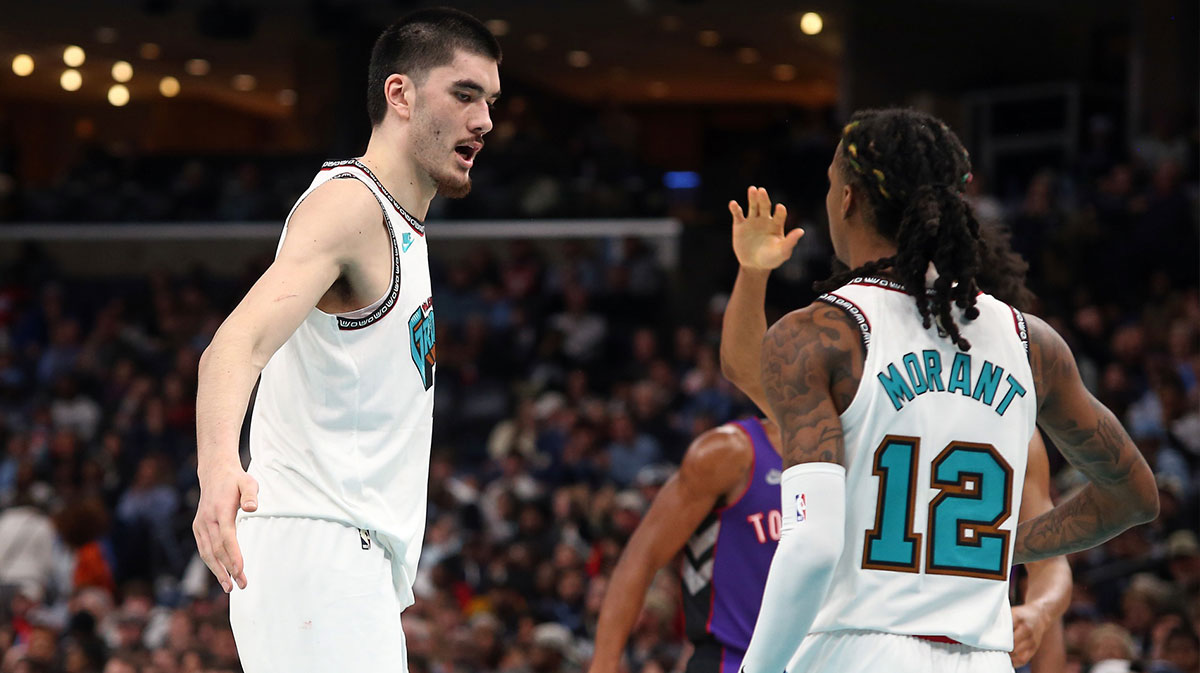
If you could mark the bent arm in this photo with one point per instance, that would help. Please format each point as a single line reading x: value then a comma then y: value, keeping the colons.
x: 323, y: 237
x: 714, y: 465
x: 1121, y: 492
x: 803, y: 355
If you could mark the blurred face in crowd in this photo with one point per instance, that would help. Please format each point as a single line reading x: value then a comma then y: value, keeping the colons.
x: 450, y: 113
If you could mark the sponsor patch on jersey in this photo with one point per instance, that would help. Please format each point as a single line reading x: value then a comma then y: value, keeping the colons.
x: 774, y: 477
x: 424, y: 337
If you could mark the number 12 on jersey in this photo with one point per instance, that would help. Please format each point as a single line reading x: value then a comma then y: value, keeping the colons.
x: 962, y: 537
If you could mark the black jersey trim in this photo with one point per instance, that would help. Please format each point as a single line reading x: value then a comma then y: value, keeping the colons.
x: 413, y: 222
x: 1022, y: 330
x: 856, y: 314
x: 345, y: 323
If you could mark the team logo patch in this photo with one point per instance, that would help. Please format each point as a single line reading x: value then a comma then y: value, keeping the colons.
x: 424, y: 350
x: 774, y: 477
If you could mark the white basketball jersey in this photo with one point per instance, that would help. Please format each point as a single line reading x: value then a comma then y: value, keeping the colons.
x: 936, y: 445
x: 344, y: 415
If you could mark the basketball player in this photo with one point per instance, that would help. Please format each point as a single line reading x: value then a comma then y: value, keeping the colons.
x: 341, y: 328
x: 906, y: 400
x: 761, y: 246
x: 722, y: 501
x: 722, y: 509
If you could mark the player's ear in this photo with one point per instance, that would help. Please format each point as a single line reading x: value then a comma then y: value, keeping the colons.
x: 398, y: 91
x: 849, y: 201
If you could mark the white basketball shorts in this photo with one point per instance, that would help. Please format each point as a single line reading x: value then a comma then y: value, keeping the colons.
x: 319, y: 598
x: 874, y: 651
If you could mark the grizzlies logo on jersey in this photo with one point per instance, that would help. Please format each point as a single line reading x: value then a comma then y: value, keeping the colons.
x: 424, y: 337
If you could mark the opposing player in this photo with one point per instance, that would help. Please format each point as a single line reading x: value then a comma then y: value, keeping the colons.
x: 341, y: 327
x: 906, y: 401
x: 761, y: 245
x: 722, y: 509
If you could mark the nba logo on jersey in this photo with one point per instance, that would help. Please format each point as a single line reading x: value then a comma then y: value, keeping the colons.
x: 801, y: 505
x: 424, y: 353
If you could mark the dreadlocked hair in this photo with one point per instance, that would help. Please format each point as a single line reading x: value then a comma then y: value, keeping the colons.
x: 913, y: 171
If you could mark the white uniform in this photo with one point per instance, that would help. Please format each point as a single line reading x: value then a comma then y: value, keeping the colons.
x: 339, y: 443
x: 936, y: 446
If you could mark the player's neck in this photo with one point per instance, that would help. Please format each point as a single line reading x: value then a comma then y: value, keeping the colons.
x: 389, y: 160
x: 869, y: 247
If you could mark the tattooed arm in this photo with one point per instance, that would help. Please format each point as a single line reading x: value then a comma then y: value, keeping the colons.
x: 812, y: 361
x: 811, y: 364
x: 1121, y: 492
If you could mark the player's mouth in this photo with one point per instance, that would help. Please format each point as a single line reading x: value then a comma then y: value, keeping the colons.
x: 467, y: 151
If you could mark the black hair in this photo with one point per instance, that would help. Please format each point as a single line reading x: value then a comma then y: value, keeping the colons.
x: 1002, y: 270
x: 912, y: 170
x: 419, y: 42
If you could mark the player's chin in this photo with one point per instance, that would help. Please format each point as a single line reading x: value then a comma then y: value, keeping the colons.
x: 454, y: 186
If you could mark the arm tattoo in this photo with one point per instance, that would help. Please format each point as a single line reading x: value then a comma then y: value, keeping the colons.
x: 1121, y: 492
x: 810, y: 371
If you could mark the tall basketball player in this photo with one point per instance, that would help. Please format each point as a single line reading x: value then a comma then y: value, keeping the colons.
x: 324, y: 548
x: 906, y: 400
x: 760, y: 244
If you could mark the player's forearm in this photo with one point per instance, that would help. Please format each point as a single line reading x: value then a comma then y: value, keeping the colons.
x: 742, y: 330
x: 225, y: 379
x: 1089, y: 518
x: 623, y: 600
x: 814, y: 515
x: 1049, y: 587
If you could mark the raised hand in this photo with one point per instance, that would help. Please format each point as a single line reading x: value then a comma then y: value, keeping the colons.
x: 758, y: 238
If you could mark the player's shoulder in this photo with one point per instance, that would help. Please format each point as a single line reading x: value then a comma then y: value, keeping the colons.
x: 338, y: 204
x: 337, y: 215
x: 1050, y: 357
x: 723, y: 449
x: 818, y: 328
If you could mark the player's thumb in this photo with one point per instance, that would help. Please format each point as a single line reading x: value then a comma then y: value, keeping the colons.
x: 249, y: 488
x: 793, y: 237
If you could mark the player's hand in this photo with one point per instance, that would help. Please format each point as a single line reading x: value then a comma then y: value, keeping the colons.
x: 222, y: 492
x: 1029, y: 624
x: 758, y: 238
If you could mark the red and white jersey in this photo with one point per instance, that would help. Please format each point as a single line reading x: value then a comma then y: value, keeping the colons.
x: 342, y: 424
x: 936, y: 445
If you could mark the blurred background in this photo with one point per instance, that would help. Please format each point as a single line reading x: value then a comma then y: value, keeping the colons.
x: 149, y: 150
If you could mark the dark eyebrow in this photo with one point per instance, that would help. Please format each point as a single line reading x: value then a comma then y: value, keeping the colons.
x: 472, y: 85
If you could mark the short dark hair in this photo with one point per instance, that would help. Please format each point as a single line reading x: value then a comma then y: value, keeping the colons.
x: 419, y: 42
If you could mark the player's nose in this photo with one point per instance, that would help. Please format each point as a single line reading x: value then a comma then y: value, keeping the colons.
x: 481, y: 120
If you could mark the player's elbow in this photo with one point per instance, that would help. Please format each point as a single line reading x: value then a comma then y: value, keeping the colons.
x: 730, y: 369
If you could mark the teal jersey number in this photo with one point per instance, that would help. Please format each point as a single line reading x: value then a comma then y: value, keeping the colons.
x: 963, y: 535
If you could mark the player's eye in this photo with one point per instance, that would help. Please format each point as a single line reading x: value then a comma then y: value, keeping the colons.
x: 464, y: 97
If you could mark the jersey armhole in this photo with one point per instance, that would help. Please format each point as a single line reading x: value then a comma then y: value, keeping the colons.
x: 731, y: 502
x: 350, y: 320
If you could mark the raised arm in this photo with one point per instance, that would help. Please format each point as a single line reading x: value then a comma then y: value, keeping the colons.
x: 1121, y: 492
x: 326, y: 233
x: 1048, y: 590
x: 760, y: 246
x: 811, y: 366
x: 716, y: 463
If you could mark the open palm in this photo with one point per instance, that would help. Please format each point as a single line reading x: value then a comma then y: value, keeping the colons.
x: 758, y: 238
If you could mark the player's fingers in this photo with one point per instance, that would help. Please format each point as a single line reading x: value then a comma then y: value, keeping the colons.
x: 233, y: 553
x: 224, y: 562
x: 780, y: 216
x: 751, y: 202
x: 204, y: 547
x: 736, y: 211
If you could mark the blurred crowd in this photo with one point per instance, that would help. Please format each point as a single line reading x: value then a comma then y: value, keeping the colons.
x: 540, y: 163
x: 567, y: 390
